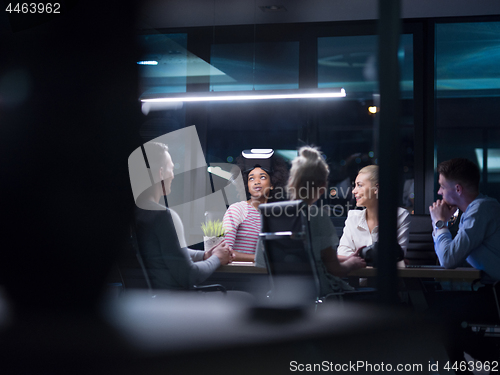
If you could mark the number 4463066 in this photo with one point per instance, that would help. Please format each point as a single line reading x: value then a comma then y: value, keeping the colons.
x: 33, y: 8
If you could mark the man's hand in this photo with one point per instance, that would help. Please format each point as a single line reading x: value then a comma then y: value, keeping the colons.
x: 441, y: 210
x: 208, y: 253
x: 223, y: 252
x: 232, y: 254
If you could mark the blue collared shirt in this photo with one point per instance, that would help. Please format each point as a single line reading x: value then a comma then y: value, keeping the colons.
x: 477, y: 240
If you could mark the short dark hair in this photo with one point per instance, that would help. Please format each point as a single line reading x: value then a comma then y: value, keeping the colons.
x: 155, y: 154
x: 462, y: 171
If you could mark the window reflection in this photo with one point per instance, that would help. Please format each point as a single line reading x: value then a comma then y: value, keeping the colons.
x: 467, y: 89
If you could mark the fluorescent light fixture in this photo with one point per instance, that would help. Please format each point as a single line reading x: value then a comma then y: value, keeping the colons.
x: 248, y: 95
x: 147, y: 62
x: 258, y: 153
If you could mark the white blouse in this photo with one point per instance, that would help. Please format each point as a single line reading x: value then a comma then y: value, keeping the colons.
x: 356, y: 232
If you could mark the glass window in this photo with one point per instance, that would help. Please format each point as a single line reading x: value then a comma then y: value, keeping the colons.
x: 255, y: 66
x: 163, y: 65
x: 344, y: 128
x: 467, y: 86
x: 467, y: 57
x: 348, y: 127
x: 351, y: 62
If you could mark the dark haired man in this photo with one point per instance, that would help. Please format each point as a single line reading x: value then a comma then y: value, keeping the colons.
x: 477, y: 242
x: 478, y: 237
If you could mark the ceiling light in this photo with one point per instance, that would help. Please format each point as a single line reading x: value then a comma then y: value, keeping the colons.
x: 213, y: 96
x: 258, y: 153
x: 145, y: 62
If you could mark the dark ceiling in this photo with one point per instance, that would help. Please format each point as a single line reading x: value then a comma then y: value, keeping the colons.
x: 186, y: 13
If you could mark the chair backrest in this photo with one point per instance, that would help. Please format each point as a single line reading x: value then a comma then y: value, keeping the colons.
x: 287, y: 244
x: 339, y: 224
x: 131, y: 267
x: 134, y: 272
x: 420, y: 249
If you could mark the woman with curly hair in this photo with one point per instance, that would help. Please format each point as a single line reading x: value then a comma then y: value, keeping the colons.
x: 242, y: 219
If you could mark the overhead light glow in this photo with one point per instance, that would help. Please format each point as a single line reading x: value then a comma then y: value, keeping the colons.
x: 147, y: 62
x: 245, y: 95
x: 372, y: 109
x: 258, y: 153
x: 218, y: 171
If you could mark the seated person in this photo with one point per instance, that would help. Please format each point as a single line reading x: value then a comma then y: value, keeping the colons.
x: 478, y: 237
x: 242, y: 219
x: 361, y: 226
x: 308, y: 181
x: 160, y: 233
x: 477, y: 242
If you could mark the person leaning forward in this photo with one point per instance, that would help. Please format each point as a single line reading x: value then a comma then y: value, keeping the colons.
x: 478, y: 237
x: 478, y: 243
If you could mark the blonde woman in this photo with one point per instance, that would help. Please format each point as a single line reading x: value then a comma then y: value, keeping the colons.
x: 308, y: 181
x: 361, y: 226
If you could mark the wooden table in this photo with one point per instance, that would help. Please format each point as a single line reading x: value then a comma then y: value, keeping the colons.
x: 243, y: 276
x: 410, y: 276
x: 241, y: 267
x: 412, y: 284
x: 468, y: 274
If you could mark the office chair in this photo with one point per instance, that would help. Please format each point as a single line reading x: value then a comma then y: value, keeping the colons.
x: 130, y: 266
x: 339, y: 224
x: 134, y: 274
x: 420, y: 249
x: 287, y: 250
x: 491, y: 328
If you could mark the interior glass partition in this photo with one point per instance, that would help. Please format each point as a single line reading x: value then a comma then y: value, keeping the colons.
x: 255, y: 66
x: 350, y: 126
x: 345, y: 129
x: 467, y: 90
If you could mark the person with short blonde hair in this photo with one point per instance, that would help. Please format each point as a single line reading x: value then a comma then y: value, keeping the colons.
x: 361, y: 226
x: 371, y: 172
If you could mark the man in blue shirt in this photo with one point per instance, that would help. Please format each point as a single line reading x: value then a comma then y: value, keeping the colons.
x: 478, y: 237
x: 478, y: 243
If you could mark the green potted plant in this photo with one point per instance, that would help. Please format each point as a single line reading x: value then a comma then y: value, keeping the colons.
x: 213, y: 233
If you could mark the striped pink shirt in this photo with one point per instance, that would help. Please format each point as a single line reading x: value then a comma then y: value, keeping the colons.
x: 242, y: 226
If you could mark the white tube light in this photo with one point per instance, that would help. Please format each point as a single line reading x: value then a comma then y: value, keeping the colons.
x: 149, y: 62
x: 254, y: 95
